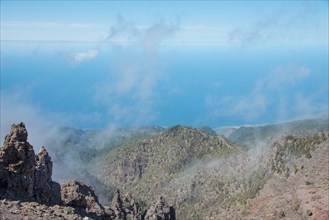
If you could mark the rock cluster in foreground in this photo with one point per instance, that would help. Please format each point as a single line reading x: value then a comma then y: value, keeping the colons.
x: 27, y: 189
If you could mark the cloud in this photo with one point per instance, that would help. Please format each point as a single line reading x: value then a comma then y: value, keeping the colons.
x: 130, y: 94
x: 80, y: 57
x: 45, y: 129
x: 282, y: 26
x: 288, y: 75
x: 16, y: 106
x: 277, y: 93
x: 122, y: 30
x: 310, y: 105
x: 249, y: 106
x: 15, y: 109
x: 154, y: 35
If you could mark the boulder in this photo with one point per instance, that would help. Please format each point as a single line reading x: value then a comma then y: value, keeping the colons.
x: 125, y: 207
x: 161, y: 211
x: 79, y: 195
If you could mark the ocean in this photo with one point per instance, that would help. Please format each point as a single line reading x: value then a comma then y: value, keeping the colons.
x: 97, y: 84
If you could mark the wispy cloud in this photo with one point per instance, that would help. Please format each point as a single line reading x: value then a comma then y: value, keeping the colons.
x: 287, y: 75
x: 156, y: 34
x: 14, y: 109
x: 279, y: 90
x: 249, y: 106
x: 44, y: 129
x: 150, y: 36
x: 309, y: 104
x: 122, y: 29
x: 281, y: 27
x: 131, y: 95
x: 79, y: 57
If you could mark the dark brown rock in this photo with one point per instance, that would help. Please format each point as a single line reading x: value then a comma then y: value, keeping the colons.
x: 79, y: 195
x: 125, y: 207
x: 117, y: 205
x: 132, y: 208
x: 17, y: 165
x: 309, y: 212
x: 25, y: 176
x: 45, y: 190
x: 161, y: 211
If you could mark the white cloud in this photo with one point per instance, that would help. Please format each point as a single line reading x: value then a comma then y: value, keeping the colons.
x: 79, y: 57
x: 249, y: 106
x: 277, y: 90
x: 309, y: 105
x: 122, y: 30
x: 130, y: 95
x: 154, y: 35
x: 14, y: 109
x: 288, y: 75
x: 283, y: 27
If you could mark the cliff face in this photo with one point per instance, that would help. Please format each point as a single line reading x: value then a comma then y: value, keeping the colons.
x: 27, y: 189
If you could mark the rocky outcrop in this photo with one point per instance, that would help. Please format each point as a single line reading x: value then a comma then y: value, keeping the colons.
x: 132, y: 208
x: 17, y: 165
x: 161, y: 211
x: 25, y: 176
x: 46, y: 191
x: 117, y: 205
x: 27, y: 189
x: 81, y: 196
x: 125, y: 208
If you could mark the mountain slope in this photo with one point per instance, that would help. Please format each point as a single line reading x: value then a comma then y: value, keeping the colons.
x: 299, y: 186
x: 252, y: 135
x: 210, y: 177
x: 149, y: 165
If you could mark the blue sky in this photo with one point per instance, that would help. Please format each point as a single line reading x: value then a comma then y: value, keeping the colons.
x: 98, y: 64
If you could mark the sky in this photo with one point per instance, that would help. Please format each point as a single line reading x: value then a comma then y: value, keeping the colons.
x: 98, y: 64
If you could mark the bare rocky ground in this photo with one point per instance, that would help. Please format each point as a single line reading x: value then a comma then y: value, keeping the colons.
x: 32, y: 210
x: 300, y: 193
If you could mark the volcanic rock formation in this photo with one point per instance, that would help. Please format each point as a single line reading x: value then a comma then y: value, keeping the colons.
x: 24, y: 175
x: 27, y: 189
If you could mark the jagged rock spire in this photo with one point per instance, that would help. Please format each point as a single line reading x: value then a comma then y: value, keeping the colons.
x: 161, y: 211
x: 17, y: 164
x: 117, y: 204
x: 25, y: 176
